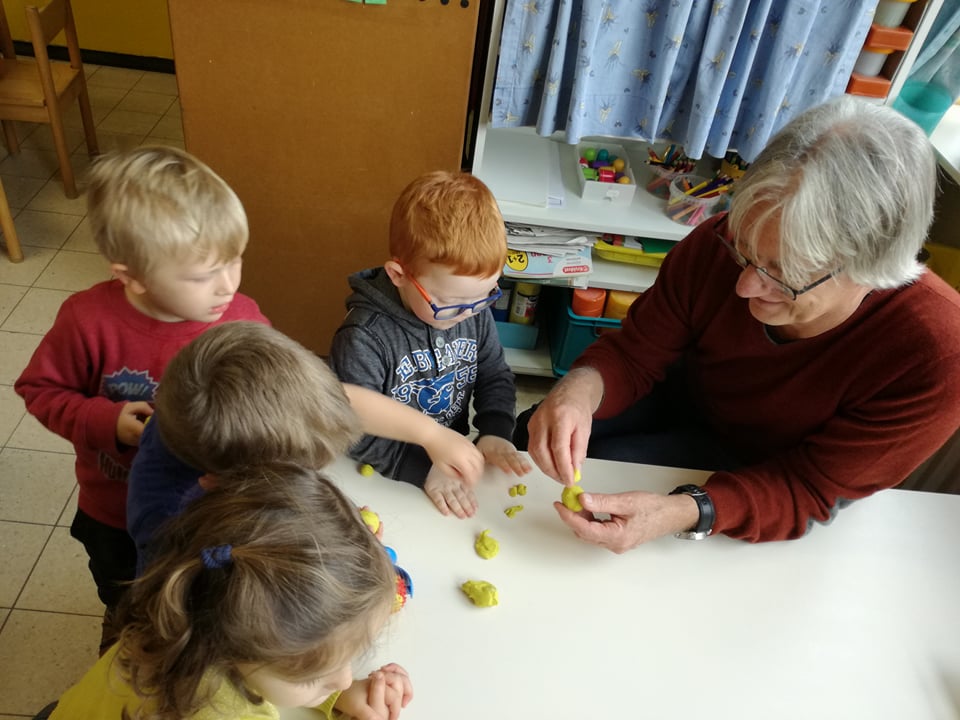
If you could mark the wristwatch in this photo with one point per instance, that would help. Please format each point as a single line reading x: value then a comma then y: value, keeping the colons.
x: 704, y: 525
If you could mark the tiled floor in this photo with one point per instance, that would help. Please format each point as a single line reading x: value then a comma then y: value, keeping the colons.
x: 49, y: 611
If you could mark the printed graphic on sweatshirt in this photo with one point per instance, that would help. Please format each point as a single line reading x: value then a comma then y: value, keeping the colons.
x: 129, y: 385
x: 111, y: 469
x: 440, y: 396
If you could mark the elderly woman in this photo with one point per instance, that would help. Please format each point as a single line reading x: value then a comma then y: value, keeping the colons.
x: 795, y: 346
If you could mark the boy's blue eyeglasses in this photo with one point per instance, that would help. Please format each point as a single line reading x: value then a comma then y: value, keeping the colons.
x: 449, y: 312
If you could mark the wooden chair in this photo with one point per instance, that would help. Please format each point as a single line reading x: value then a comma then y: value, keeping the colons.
x: 9, y: 231
x: 40, y: 91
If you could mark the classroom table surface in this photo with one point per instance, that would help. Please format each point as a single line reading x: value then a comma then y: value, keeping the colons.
x: 858, y: 619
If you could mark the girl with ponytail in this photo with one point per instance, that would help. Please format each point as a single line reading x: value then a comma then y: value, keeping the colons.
x: 259, y: 595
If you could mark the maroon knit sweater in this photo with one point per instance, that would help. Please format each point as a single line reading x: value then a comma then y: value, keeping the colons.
x: 837, y: 416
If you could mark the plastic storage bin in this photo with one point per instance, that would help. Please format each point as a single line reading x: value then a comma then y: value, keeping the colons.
x: 689, y: 209
x: 515, y: 335
x: 659, y: 184
x: 570, y: 334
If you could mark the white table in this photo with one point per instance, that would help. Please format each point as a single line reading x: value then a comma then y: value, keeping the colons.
x: 857, y: 620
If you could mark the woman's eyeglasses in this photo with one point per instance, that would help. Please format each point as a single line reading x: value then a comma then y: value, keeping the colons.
x: 720, y: 231
x: 449, y: 312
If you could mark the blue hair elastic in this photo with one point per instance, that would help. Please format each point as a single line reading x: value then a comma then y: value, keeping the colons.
x: 217, y: 557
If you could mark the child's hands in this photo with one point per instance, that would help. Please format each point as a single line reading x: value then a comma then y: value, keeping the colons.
x: 380, y: 697
x: 454, y: 454
x: 450, y: 494
x: 129, y: 424
x: 503, y: 454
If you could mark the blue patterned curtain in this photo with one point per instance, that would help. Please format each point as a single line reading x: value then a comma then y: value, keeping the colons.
x: 941, y: 42
x: 708, y: 75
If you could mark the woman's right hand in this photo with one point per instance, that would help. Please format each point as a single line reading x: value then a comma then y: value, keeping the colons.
x: 560, y: 428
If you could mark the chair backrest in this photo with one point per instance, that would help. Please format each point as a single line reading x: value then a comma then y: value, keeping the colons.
x: 6, y: 40
x: 49, y: 21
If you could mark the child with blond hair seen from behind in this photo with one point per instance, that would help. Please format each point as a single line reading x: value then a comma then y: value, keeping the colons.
x: 173, y: 233
x: 242, y: 395
x: 260, y: 595
x: 418, y: 330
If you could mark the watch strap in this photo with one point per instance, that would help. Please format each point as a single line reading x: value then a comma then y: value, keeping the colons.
x: 708, y: 515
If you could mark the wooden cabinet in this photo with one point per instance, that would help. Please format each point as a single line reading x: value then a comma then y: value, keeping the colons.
x: 318, y: 112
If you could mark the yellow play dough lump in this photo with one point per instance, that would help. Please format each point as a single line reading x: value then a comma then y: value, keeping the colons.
x: 366, y: 470
x: 371, y: 520
x: 480, y: 592
x: 512, y: 510
x: 576, y: 474
x: 486, y: 546
x: 570, y: 497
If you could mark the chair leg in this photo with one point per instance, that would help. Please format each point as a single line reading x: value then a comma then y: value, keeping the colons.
x: 63, y: 154
x: 89, y: 129
x: 9, y: 231
x: 10, y: 135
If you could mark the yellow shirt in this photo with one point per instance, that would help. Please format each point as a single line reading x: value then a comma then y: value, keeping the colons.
x: 102, y: 694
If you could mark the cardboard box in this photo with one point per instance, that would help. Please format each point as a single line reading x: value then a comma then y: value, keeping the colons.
x: 611, y: 192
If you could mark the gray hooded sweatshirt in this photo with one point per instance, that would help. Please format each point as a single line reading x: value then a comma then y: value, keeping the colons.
x: 383, y: 346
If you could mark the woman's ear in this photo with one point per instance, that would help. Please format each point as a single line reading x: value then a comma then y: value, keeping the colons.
x: 122, y: 273
x: 395, y: 272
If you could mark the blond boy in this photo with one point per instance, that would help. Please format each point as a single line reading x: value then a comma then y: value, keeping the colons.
x: 173, y: 233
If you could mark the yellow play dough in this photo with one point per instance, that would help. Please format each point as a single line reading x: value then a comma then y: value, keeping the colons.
x: 576, y: 474
x: 512, y: 491
x: 521, y: 489
x: 366, y: 470
x: 480, y: 592
x: 512, y: 510
x: 486, y: 546
x: 370, y: 519
x: 570, y: 497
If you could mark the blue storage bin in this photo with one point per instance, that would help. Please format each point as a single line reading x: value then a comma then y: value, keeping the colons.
x: 515, y: 335
x: 570, y: 334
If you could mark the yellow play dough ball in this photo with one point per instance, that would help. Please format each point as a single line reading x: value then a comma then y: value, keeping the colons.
x: 370, y: 519
x: 366, y: 470
x: 480, y: 592
x: 571, y: 499
x: 487, y: 547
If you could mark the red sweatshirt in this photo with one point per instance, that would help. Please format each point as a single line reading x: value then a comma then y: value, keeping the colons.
x: 100, y: 353
x: 837, y: 416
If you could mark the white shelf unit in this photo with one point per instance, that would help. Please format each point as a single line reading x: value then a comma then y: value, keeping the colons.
x: 497, y: 167
x: 946, y: 141
x: 505, y: 156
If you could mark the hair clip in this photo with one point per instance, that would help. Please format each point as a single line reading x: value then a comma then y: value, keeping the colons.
x: 217, y: 557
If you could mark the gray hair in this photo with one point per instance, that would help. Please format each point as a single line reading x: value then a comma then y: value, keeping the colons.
x: 851, y: 185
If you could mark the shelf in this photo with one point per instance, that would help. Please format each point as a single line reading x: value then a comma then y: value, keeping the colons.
x: 531, y: 362
x: 519, y: 158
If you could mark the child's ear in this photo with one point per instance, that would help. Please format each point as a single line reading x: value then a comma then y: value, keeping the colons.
x: 122, y: 273
x: 395, y: 272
